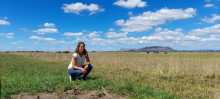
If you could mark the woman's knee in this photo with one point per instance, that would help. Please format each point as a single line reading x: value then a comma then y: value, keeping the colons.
x: 90, y: 66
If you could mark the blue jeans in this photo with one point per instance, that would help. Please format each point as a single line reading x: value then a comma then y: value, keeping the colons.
x: 75, y: 73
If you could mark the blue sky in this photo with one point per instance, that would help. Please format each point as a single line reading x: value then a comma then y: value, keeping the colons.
x: 109, y: 25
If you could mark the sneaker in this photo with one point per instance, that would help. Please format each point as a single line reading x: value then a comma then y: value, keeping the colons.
x: 72, y: 79
x: 84, y: 78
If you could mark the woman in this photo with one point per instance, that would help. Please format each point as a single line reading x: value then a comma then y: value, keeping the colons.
x: 76, y: 66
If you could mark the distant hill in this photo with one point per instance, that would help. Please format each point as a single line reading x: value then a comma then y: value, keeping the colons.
x: 149, y: 49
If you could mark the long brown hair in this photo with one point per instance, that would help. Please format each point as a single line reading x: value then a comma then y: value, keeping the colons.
x: 77, y: 48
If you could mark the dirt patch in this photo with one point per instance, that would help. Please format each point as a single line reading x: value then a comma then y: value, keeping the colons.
x: 70, y: 94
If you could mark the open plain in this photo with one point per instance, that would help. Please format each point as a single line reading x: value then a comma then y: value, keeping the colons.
x: 128, y: 74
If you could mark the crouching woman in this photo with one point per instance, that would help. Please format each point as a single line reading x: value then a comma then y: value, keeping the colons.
x: 76, y: 66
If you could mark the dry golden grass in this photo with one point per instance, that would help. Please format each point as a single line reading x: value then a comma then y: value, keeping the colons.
x: 186, y: 74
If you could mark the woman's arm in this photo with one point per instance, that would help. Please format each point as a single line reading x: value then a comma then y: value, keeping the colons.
x: 88, y: 62
x: 75, y: 67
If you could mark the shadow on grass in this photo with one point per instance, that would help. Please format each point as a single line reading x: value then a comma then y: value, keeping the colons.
x: 89, y: 78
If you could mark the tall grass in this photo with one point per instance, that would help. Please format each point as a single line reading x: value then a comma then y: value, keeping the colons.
x: 185, y: 74
x: 31, y: 75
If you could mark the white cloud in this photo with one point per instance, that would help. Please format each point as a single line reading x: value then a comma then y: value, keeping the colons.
x: 42, y: 38
x: 206, y: 31
x: 208, y: 0
x: 97, y: 41
x: 20, y: 41
x: 68, y: 37
x: 94, y: 34
x: 216, y: 7
x: 166, y: 32
x: 79, y: 7
x: 130, y: 40
x: 189, y: 38
x: 131, y: 3
x: 111, y: 29
x: 49, y: 25
x: 85, y: 31
x: 116, y: 35
x: 9, y: 36
x: 120, y: 22
x: 60, y: 42
x: 37, y: 42
x: 211, y: 20
x: 130, y: 13
x: 208, y: 5
x: 3, y: 34
x: 14, y: 43
x: 215, y: 36
x: 46, y: 30
x: 209, y: 39
x: 73, y: 34
x: 147, y: 20
x: 3, y: 22
x: 152, y: 38
x: 5, y: 18
x: 200, y: 23
x: 79, y: 39
x: 26, y: 30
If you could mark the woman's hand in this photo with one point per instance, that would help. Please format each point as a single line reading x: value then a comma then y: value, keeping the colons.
x: 83, y: 70
x: 86, y: 67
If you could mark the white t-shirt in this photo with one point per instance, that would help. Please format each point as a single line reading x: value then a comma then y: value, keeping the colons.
x: 79, y: 60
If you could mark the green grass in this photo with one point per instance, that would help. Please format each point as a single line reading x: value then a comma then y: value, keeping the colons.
x: 30, y: 75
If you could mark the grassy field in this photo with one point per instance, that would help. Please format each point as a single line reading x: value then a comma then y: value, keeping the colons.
x: 136, y: 75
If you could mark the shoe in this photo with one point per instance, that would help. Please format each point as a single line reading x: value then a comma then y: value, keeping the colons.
x: 72, y: 79
x: 84, y: 78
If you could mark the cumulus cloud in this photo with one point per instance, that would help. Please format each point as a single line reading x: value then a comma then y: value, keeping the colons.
x: 111, y: 29
x: 116, y: 35
x: 208, y: 0
x: 79, y: 7
x: 166, y: 32
x: 130, y: 13
x: 206, y: 31
x: 14, y: 43
x: 37, y: 42
x: 9, y: 36
x: 42, y: 38
x: 94, y: 34
x: 147, y: 20
x: 85, y: 31
x: 49, y: 25
x: 80, y: 39
x: 189, y: 38
x: 208, y: 5
x: 120, y: 22
x: 26, y: 30
x: 46, y: 30
x: 60, y: 42
x: 97, y: 41
x: 130, y: 40
x: 5, y: 18
x: 3, y: 22
x: 73, y: 34
x: 152, y: 38
x: 20, y: 41
x: 6, y: 34
x: 131, y: 3
x: 213, y: 19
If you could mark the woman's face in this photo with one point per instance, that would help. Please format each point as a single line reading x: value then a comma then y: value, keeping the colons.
x: 81, y: 47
